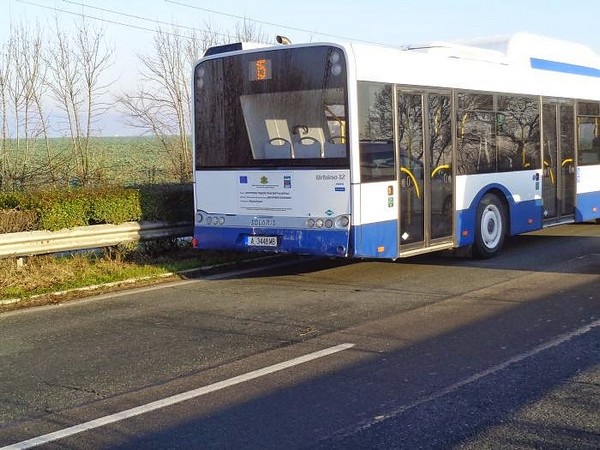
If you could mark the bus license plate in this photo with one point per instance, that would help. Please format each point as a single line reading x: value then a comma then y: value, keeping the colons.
x: 262, y: 241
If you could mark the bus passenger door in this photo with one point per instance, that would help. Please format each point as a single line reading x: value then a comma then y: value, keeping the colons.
x: 439, y: 142
x: 424, y: 136
x: 558, y: 183
x: 412, y: 168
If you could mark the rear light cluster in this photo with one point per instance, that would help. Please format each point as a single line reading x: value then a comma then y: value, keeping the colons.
x: 211, y: 220
x: 338, y: 222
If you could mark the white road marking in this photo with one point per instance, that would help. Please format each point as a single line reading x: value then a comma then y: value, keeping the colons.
x: 117, y: 417
x: 561, y: 339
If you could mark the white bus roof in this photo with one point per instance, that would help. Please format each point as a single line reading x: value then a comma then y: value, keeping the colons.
x: 519, y: 48
x: 521, y: 64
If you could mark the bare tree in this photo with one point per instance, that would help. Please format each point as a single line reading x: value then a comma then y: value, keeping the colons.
x: 76, y: 66
x: 22, y: 84
x: 162, y: 104
x: 5, y: 75
x: 247, y: 31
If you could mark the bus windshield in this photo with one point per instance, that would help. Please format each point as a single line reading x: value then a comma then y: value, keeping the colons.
x: 273, y: 108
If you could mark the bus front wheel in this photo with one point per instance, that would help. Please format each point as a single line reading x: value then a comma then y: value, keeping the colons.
x: 490, y: 228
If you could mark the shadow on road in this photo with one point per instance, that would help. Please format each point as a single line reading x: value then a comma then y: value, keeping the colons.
x: 425, y: 395
x: 524, y: 252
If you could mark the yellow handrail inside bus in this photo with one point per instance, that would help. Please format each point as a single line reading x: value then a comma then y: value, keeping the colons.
x: 438, y: 168
x: 414, y: 180
x: 551, y: 172
x: 567, y: 161
x: 340, y: 122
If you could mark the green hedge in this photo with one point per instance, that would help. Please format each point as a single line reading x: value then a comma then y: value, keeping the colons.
x: 171, y: 203
x: 57, y: 209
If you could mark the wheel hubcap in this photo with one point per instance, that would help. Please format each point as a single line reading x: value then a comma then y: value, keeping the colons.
x: 491, y: 226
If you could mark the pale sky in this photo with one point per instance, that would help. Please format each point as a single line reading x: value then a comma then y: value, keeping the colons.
x: 393, y: 22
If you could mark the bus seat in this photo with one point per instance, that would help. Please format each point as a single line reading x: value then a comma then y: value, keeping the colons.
x: 334, y: 150
x: 307, y: 147
x: 278, y: 148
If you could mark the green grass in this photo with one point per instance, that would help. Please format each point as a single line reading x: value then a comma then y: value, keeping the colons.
x: 72, y: 273
x: 123, y: 160
x: 48, y: 274
x: 132, y: 160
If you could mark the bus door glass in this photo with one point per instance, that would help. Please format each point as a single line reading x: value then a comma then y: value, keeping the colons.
x: 426, y: 184
x: 567, y: 160
x: 439, y: 142
x: 558, y: 190
x: 412, y: 167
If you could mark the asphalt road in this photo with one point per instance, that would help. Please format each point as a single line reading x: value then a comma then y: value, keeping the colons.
x: 429, y: 352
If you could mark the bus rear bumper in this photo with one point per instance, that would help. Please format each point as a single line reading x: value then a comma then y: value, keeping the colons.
x: 319, y: 242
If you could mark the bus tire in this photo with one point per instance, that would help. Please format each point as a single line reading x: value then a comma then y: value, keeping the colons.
x: 491, y: 226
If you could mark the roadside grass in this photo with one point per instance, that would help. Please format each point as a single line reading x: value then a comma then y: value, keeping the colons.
x: 41, y: 276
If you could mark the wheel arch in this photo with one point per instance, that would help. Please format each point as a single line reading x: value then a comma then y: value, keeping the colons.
x: 467, y: 218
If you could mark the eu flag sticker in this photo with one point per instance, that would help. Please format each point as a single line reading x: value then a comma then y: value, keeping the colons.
x: 243, y: 179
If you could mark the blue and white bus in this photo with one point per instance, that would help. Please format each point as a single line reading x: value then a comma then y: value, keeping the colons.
x: 365, y: 151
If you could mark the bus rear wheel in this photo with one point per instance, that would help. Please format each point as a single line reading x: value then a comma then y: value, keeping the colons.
x: 490, y: 228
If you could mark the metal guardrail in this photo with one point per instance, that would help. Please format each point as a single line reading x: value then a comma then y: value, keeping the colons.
x: 30, y: 243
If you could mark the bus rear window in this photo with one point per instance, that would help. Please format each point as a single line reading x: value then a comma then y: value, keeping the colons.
x: 278, y: 107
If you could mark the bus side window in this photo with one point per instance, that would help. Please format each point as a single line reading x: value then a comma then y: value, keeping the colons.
x: 589, y: 141
x: 377, y: 161
x: 375, y: 123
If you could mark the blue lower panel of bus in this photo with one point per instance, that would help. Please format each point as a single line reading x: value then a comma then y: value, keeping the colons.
x: 312, y: 242
x: 376, y: 240
x: 524, y: 216
x: 588, y: 206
